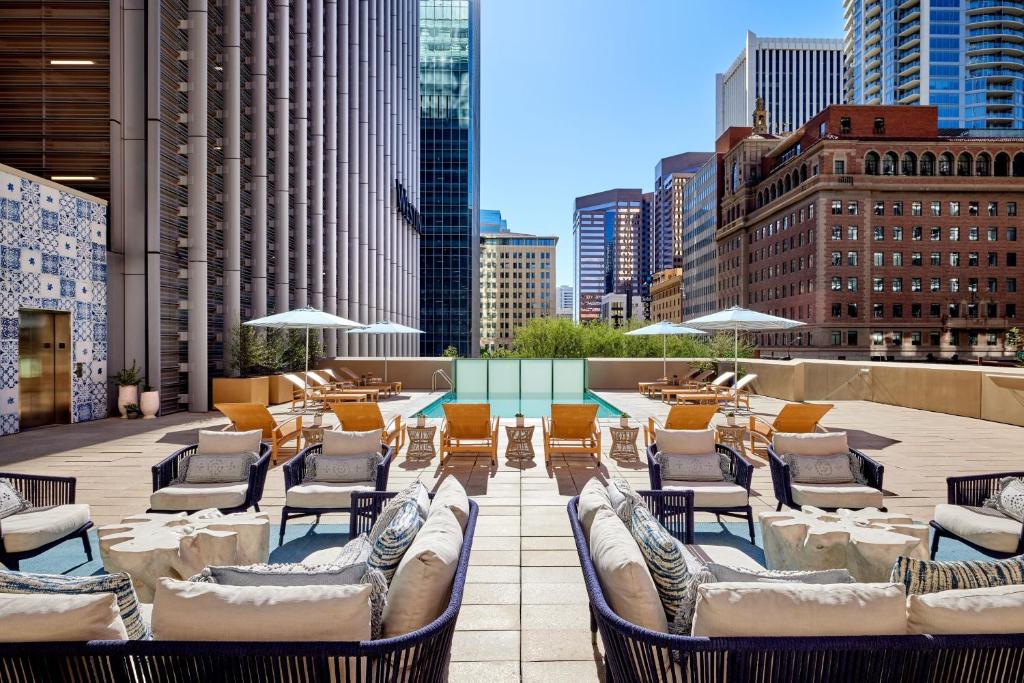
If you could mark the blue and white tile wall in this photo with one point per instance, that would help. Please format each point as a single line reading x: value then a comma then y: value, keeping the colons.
x: 53, y: 256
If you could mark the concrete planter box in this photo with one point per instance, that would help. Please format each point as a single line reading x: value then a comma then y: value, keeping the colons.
x: 241, y: 390
x: 280, y: 390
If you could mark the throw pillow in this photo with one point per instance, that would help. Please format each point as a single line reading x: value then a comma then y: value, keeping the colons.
x: 351, y: 443
x: 219, y: 468
x: 11, y: 500
x: 452, y: 495
x: 704, y: 467
x: 28, y: 618
x: 924, y: 576
x: 119, y: 584
x: 685, y: 441
x: 1009, y: 498
x: 663, y: 556
x: 218, y: 443
x: 624, y: 500
x: 416, y: 492
x: 722, y: 572
x: 342, y: 468
x: 810, y: 444
x: 820, y: 469
x: 356, y: 550
x: 390, y: 546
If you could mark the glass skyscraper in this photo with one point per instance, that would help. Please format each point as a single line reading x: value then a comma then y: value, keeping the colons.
x: 450, y: 176
x: 965, y: 57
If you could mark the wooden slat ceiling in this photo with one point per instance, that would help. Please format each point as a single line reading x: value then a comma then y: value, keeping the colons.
x: 55, y: 120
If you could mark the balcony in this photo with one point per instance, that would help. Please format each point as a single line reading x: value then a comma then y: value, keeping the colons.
x: 977, y: 5
x: 909, y: 68
x: 912, y: 26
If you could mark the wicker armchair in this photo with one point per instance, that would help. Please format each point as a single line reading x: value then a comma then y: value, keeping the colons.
x: 783, y: 483
x: 223, y: 496
x: 31, y: 533
x: 320, y: 498
x: 963, y: 518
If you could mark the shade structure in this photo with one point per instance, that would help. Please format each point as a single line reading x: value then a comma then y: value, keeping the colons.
x: 307, y: 319
x: 386, y: 327
x: 664, y: 328
x: 737, y: 318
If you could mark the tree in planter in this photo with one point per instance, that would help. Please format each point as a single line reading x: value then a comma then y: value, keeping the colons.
x: 250, y: 352
x: 293, y: 353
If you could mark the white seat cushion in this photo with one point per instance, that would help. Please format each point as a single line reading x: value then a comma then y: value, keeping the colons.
x: 853, y: 496
x: 324, y: 494
x: 999, y: 609
x: 723, y: 554
x: 986, y: 527
x: 33, y: 617
x: 710, y: 494
x: 35, y: 528
x: 198, y: 496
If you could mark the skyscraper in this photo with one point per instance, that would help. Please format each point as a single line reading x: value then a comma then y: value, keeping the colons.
x: 962, y: 56
x: 517, y: 283
x: 670, y: 175
x: 565, y: 302
x: 697, y: 253
x: 491, y: 221
x: 796, y: 78
x: 450, y: 176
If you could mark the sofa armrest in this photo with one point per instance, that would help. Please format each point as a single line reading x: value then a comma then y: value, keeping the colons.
x: 742, y: 470
x: 974, y: 489
x: 653, y: 467
x: 674, y: 510
x: 258, y: 477
x: 384, y: 468
x: 43, y: 490
x: 874, y: 472
x: 780, y: 479
x: 165, y: 471
x: 295, y: 468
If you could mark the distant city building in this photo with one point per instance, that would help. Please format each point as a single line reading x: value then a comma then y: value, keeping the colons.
x: 667, y: 296
x: 670, y: 175
x: 608, y: 234
x: 796, y: 78
x: 565, y: 303
x: 449, y: 90
x: 517, y: 276
x: 963, y: 56
x: 697, y: 249
x: 618, y: 309
x: 888, y: 239
x: 491, y: 221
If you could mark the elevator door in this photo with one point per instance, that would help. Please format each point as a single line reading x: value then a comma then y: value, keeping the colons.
x: 44, y: 368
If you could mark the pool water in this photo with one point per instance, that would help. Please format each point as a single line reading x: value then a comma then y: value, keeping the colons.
x: 539, y: 406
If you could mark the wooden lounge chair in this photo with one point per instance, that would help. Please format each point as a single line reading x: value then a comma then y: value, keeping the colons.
x: 681, y: 417
x: 707, y: 394
x: 53, y: 518
x: 247, y: 416
x: 739, y: 392
x: 964, y: 517
x: 572, y: 428
x: 650, y: 389
x: 794, y: 418
x: 360, y: 380
x: 365, y: 417
x: 326, y: 387
x: 700, y: 380
x: 469, y: 428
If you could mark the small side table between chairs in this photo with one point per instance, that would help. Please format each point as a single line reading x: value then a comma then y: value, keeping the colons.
x: 732, y: 435
x: 312, y: 435
x: 520, y: 443
x: 421, y: 442
x: 624, y: 442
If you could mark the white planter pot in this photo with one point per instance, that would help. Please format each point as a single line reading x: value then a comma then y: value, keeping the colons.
x: 624, y: 422
x: 520, y: 421
x: 149, y: 402
x: 421, y: 421
x: 126, y: 395
x: 731, y: 421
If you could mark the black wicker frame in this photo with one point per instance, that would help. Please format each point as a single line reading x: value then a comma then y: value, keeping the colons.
x: 43, y: 491
x: 635, y: 654
x: 740, y: 469
x: 165, y: 471
x: 294, y: 470
x: 782, y: 480
x: 418, y: 657
x: 973, y: 490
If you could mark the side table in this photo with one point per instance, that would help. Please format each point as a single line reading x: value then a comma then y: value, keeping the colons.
x: 312, y: 435
x: 421, y: 442
x: 732, y: 435
x: 520, y: 442
x: 624, y: 442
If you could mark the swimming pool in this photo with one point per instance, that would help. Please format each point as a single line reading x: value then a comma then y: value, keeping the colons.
x: 529, y: 406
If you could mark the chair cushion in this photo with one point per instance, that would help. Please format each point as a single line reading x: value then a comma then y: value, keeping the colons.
x: 11, y: 500
x: 625, y: 579
x: 705, y: 467
x: 395, y: 540
x: 26, y: 618
x: 351, y: 443
x: 593, y: 497
x: 1009, y: 499
x: 353, y: 468
x: 729, y: 609
x: 705, y: 555
x: 853, y: 496
x: 810, y: 444
x: 710, y: 494
x: 999, y: 609
x: 982, y: 526
x: 356, y: 550
x: 217, y: 443
x: 319, y: 494
x: 178, y: 497
x: 929, y: 576
x: 685, y: 441
x: 36, y: 527
x: 184, y: 610
x: 820, y: 469
x: 422, y: 585
x: 216, y: 468
x: 451, y: 494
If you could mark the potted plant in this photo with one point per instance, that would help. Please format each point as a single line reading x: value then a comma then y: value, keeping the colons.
x: 624, y: 420
x: 421, y: 420
x: 248, y: 380
x: 132, y: 411
x: 127, y: 381
x: 730, y: 417
x: 520, y: 420
x: 149, y: 402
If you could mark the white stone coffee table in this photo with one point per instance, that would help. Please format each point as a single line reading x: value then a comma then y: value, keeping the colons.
x: 867, y: 542
x: 152, y: 546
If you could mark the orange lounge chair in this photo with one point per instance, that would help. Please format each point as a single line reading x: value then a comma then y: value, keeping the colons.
x: 323, y: 387
x: 681, y: 417
x: 707, y: 394
x: 469, y: 428
x: 365, y: 417
x: 794, y: 418
x: 649, y: 389
x: 356, y: 383
x: 247, y: 416
x: 572, y: 428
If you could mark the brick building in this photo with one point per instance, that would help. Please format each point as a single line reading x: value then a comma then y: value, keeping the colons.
x: 886, y: 237
x: 667, y: 296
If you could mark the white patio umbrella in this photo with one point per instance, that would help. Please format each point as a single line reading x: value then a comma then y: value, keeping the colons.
x: 386, y: 327
x: 737, y: 318
x: 664, y: 328
x: 305, y: 319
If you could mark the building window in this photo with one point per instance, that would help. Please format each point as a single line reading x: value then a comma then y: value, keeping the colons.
x: 1011, y: 310
x: 915, y: 310
x: 897, y: 234
x: 935, y: 233
x: 837, y: 258
x: 954, y: 208
x: 915, y: 284
x: 897, y: 284
x: 851, y: 338
x: 934, y: 310
x: 897, y: 208
x: 851, y: 208
x: 851, y: 258
x: 915, y: 258
x: 876, y: 338
x: 915, y: 233
x: 851, y: 310
x: 879, y: 126
x: 993, y: 234
x: 936, y: 208
x: 933, y: 338
x: 972, y: 208
x: 990, y: 285
x: 879, y: 208
x: 972, y: 234
x: 837, y: 232
x: 1011, y: 259
x: 915, y: 208
x: 839, y: 166
x: 837, y: 338
x: 915, y: 338
x: 954, y: 258
x: 878, y: 259
x: 954, y: 284
x: 851, y: 232
x: 897, y: 338
x: 897, y: 258
x: 1011, y: 234
x: 837, y: 310
x: 1011, y: 284
x: 851, y: 284
x: 879, y: 233
x: 934, y: 284
x: 993, y: 208
x: 837, y: 284
x: 877, y: 311
x: 1011, y: 208
x: 844, y: 125
x: 837, y: 207
x: 936, y: 258
x: 954, y: 234
x: 993, y: 259
x: 878, y: 284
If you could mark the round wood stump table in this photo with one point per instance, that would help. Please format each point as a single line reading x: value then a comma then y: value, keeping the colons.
x: 152, y: 546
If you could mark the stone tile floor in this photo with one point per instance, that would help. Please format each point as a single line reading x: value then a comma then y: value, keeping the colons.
x: 525, y: 610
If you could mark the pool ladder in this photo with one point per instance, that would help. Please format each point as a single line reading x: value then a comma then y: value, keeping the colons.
x: 444, y: 375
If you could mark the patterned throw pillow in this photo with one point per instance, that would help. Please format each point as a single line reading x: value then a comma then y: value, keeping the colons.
x: 722, y: 572
x: 705, y: 467
x: 664, y: 557
x: 820, y: 469
x: 924, y: 576
x: 342, y: 468
x: 11, y: 500
x: 119, y: 584
x: 391, y: 545
x: 416, y: 492
x: 1009, y: 499
x: 220, y: 468
x: 624, y: 500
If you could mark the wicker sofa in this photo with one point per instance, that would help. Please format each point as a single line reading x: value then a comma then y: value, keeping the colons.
x: 421, y: 656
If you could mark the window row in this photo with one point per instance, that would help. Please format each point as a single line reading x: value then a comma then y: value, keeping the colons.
x: 934, y: 310
x: 917, y: 233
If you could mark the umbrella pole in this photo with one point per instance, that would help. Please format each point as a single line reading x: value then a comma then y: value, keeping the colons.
x: 736, y: 363
x: 664, y: 356
x: 305, y: 378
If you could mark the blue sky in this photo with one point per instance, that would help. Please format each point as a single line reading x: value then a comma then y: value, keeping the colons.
x: 579, y: 96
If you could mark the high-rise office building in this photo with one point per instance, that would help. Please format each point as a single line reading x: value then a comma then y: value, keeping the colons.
x: 517, y: 284
x: 450, y: 176
x: 670, y: 175
x: 608, y: 256
x: 491, y: 221
x: 564, y: 303
x: 795, y: 77
x: 962, y: 56
x: 696, y: 249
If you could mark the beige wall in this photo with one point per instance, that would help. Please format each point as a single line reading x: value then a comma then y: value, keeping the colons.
x: 413, y: 373
x: 624, y: 373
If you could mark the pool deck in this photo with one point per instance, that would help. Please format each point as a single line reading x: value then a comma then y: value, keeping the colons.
x: 525, y: 610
